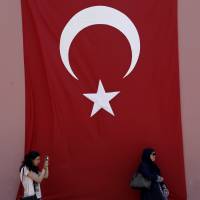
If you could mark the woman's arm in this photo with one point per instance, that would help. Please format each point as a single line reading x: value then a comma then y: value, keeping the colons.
x: 46, y: 167
x: 46, y: 175
x: 37, y: 177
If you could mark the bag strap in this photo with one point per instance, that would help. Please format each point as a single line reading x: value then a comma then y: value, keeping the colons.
x: 22, y: 171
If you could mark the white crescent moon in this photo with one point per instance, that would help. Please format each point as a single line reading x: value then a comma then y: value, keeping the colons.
x: 99, y: 15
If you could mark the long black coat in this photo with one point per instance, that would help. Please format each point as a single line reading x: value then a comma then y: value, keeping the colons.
x: 150, y: 172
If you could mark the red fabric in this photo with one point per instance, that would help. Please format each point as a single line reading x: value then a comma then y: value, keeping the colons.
x: 93, y: 158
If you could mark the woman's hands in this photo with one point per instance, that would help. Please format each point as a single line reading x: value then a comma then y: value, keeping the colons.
x: 46, y: 164
x: 160, y: 179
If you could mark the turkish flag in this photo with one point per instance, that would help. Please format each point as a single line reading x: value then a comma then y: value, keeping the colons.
x: 102, y: 83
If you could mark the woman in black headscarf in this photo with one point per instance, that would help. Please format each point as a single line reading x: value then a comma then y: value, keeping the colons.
x: 151, y: 171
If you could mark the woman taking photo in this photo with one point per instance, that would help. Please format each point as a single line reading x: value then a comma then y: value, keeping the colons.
x: 151, y: 172
x: 31, y: 177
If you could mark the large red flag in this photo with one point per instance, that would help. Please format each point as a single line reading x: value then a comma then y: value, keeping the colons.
x: 102, y: 83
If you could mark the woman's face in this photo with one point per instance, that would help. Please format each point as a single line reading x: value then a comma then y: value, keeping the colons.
x: 153, y: 156
x: 36, y: 161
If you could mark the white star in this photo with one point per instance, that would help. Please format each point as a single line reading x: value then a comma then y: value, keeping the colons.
x: 101, y: 99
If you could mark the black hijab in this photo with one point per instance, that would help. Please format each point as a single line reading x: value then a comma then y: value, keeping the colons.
x: 147, y: 160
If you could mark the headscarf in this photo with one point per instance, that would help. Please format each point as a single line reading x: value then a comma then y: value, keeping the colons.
x: 146, y: 159
x: 146, y: 155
